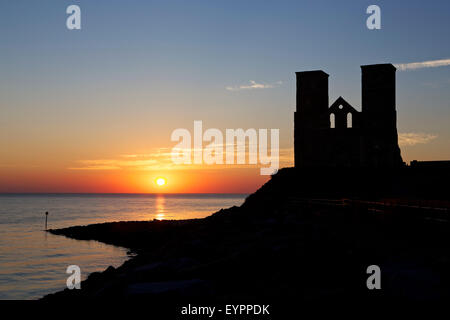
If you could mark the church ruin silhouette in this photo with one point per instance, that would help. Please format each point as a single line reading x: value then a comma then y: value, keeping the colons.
x: 339, y: 135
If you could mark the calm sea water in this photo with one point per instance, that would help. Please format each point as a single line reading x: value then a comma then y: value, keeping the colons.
x: 33, y: 263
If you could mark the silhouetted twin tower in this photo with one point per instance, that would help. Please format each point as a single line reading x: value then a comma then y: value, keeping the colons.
x: 339, y: 135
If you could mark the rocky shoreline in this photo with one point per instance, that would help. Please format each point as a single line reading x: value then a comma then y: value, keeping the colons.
x: 280, y: 244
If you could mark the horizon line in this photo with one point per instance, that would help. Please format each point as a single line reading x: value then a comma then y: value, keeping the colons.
x: 122, y: 193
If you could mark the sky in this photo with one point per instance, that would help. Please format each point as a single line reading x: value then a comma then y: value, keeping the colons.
x: 92, y: 110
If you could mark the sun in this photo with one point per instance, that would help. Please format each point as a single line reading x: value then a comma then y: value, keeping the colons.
x: 161, y: 181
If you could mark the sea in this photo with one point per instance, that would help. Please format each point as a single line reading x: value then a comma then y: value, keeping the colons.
x: 34, y: 263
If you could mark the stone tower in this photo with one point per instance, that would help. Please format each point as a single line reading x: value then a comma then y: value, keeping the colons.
x: 310, y: 117
x: 379, y: 117
x: 341, y: 136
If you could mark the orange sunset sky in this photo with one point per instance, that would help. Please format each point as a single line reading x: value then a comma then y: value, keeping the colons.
x: 92, y: 110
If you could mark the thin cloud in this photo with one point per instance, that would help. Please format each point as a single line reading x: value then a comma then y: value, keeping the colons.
x: 254, y: 85
x: 411, y: 139
x: 423, y: 64
x: 95, y: 167
x: 162, y: 160
x: 152, y: 161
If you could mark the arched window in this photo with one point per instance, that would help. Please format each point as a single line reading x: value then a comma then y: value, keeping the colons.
x: 332, y: 121
x: 349, y: 120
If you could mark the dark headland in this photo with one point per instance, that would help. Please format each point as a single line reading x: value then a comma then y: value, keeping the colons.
x: 304, y: 235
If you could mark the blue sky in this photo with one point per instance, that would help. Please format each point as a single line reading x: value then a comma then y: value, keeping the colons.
x: 139, y: 69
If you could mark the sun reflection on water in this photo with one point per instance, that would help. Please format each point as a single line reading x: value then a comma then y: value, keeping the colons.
x: 160, y: 207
